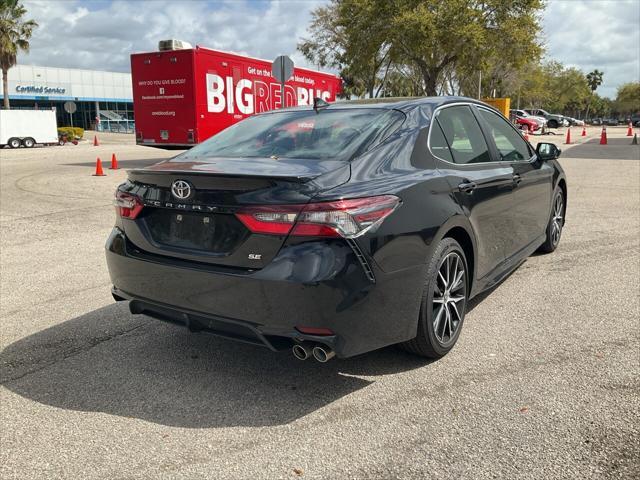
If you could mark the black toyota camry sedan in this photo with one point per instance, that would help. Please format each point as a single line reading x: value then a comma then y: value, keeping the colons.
x: 337, y: 229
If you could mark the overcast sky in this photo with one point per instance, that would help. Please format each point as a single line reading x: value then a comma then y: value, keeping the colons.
x: 100, y: 34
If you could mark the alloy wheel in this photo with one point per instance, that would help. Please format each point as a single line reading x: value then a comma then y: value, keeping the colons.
x: 450, y: 293
x: 556, y: 219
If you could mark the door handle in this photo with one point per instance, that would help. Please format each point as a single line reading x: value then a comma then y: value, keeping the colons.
x: 517, y: 179
x: 467, y: 187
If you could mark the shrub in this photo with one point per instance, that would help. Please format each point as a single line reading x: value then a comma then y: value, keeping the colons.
x: 71, y: 132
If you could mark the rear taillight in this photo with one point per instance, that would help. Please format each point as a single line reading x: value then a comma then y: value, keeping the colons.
x: 276, y: 220
x: 127, y: 205
x: 342, y: 218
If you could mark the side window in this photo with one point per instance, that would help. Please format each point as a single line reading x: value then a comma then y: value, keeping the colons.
x: 463, y: 135
x: 438, y: 143
x: 509, y: 142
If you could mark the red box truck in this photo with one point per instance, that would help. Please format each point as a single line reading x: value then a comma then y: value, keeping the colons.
x: 183, y: 96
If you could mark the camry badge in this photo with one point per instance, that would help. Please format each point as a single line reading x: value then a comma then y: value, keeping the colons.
x: 181, y: 189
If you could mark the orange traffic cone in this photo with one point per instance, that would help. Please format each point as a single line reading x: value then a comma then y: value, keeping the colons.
x: 568, y: 140
x: 99, y: 172
x: 114, y: 162
x: 96, y: 143
x: 603, y: 136
x: 584, y: 131
x: 630, y: 130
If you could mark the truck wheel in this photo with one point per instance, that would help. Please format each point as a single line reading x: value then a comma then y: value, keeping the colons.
x: 28, y: 142
x: 553, y: 124
x: 14, y: 142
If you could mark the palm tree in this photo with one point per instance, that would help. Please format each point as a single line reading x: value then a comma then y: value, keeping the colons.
x: 594, y: 80
x: 15, y: 33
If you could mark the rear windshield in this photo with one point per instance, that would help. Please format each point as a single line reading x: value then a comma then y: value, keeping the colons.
x: 336, y: 134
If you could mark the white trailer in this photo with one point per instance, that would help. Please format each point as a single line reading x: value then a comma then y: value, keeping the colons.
x: 28, y: 127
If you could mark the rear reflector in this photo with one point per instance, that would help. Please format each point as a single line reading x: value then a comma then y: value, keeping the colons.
x: 315, y: 331
x: 127, y: 205
x: 347, y: 218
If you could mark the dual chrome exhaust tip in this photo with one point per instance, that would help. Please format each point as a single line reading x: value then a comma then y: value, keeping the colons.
x: 320, y: 352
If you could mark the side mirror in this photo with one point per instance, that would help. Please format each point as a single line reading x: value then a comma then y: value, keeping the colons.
x: 547, y: 151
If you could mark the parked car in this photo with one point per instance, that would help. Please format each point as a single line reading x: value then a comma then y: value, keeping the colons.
x: 339, y: 229
x: 595, y: 121
x: 575, y: 122
x: 554, y: 120
x: 521, y: 113
x: 527, y: 123
x: 635, y: 120
x: 610, y: 122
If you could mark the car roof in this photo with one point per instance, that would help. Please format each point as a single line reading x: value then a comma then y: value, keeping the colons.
x: 393, y: 103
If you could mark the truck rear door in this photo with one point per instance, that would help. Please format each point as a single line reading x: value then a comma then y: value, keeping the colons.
x: 163, y: 97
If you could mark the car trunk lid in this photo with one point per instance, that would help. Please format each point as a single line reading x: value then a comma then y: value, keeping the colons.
x: 202, y: 226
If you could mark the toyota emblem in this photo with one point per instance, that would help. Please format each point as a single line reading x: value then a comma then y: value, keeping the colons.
x: 181, y: 189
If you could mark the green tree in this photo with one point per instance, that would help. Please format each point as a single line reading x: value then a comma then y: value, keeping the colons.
x: 570, y: 91
x: 446, y: 42
x: 351, y: 36
x: 535, y: 80
x: 628, y: 98
x: 600, y: 106
x: 463, y: 35
x: 594, y: 80
x: 15, y: 33
x: 551, y: 86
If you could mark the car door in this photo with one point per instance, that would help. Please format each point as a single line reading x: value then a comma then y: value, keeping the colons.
x: 530, y: 202
x: 480, y: 184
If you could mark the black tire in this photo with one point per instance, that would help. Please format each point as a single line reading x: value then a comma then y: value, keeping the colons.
x: 556, y: 222
x: 28, y: 142
x: 14, y: 142
x: 552, y: 123
x: 430, y: 342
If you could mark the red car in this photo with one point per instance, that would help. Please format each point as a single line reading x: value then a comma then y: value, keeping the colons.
x: 529, y: 123
x: 525, y: 122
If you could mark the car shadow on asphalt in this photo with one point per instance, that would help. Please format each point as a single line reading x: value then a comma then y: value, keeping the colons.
x: 132, y: 366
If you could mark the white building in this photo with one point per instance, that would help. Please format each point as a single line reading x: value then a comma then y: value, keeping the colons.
x: 105, y: 95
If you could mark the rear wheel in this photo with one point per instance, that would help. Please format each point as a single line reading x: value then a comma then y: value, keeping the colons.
x: 553, y: 124
x: 14, y: 142
x: 556, y: 222
x: 28, y: 142
x: 443, y: 302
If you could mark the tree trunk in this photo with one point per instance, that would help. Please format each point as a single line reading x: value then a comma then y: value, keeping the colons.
x: 586, y: 115
x: 5, y: 87
x: 430, y: 85
x: 430, y: 81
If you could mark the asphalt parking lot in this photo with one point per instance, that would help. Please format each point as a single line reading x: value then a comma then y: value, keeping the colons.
x: 544, y: 381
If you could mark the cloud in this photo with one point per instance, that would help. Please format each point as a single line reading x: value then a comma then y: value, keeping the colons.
x: 101, y: 35
x: 602, y: 34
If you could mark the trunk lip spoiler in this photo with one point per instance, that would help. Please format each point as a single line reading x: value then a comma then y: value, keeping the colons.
x: 271, y: 176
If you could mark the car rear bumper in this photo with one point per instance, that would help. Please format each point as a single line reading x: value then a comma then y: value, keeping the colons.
x: 320, y: 284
